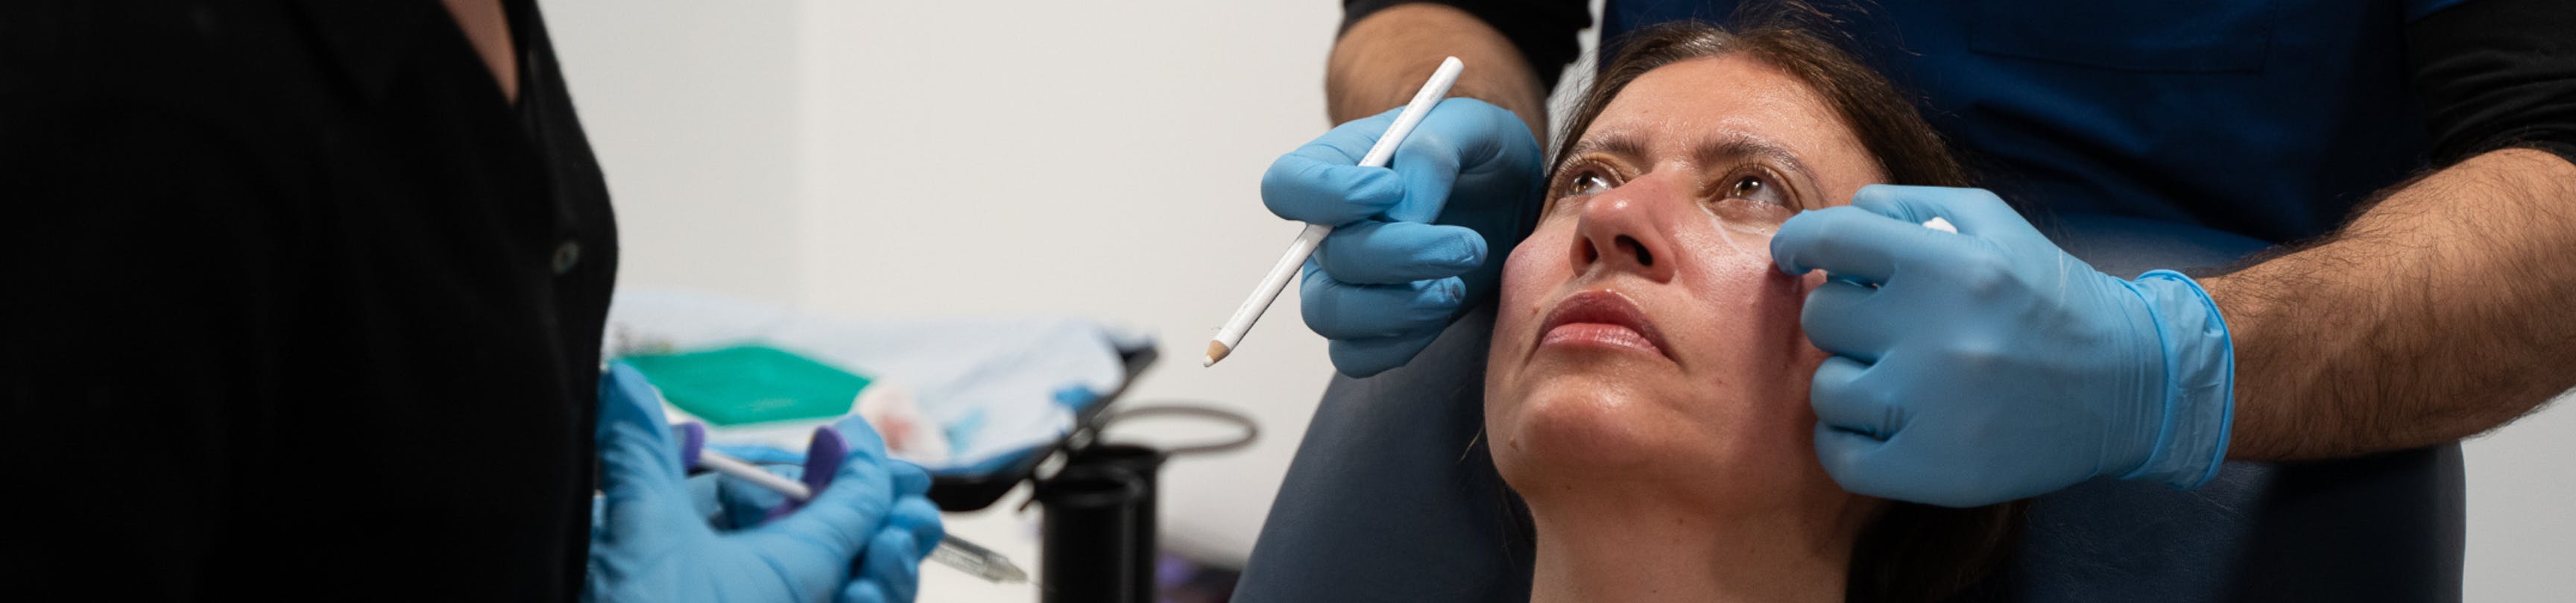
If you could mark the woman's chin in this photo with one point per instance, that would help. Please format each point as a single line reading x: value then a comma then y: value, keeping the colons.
x: 1587, y: 426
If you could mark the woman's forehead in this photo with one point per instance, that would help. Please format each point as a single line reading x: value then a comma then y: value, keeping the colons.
x: 1681, y: 108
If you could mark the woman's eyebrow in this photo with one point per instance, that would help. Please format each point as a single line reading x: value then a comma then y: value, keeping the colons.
x: 1738, y: 146
x: 1607, y: 144
x: 1717, y: 150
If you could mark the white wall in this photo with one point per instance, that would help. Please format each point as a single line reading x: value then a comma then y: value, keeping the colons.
x: 1056, y: 157
x: 692, y: 110
x: 884, y: 159
x: 2522, y: 508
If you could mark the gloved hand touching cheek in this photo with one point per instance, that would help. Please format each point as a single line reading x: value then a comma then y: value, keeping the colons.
x: 1411, y: 245
x: 1988, y: 365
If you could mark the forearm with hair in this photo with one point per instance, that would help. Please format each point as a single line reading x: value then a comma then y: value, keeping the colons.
x: 1381, y: 60
x: 2439, y: 312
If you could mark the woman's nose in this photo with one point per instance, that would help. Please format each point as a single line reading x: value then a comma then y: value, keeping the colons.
x: 1620, y: 230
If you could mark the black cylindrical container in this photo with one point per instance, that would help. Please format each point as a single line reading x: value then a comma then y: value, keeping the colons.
x: 1141, y: 464
x: 1087, y: 536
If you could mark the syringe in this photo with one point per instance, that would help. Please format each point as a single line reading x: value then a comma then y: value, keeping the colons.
x: 952, y: 551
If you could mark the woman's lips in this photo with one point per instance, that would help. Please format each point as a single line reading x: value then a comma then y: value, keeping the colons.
x: 1601, y: 318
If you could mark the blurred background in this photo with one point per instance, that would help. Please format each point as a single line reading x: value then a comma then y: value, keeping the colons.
x: 894, y: 160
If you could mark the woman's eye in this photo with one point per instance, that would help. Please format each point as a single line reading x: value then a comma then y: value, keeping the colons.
x: 1757, y: 189
x: 1587, y: 184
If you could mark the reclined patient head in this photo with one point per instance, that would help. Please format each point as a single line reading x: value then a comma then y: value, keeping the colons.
x: 1647, y: 358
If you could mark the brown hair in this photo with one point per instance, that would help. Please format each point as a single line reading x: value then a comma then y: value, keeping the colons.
x: 1905, y: 146
x: 1910, y: 552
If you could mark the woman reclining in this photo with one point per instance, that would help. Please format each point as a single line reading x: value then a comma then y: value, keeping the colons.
x: 1646, y: 392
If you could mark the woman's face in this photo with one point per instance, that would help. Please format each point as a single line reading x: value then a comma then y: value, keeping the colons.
x: 1644, y: 337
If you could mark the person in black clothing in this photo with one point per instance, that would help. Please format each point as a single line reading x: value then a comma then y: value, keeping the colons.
x: 306, y: 303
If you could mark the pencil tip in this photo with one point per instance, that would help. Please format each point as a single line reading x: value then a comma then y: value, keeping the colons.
x: 1216, y: 352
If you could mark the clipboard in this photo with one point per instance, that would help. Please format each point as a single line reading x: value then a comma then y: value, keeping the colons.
x: 978, y: 486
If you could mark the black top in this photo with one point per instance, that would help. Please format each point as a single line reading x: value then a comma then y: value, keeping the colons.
x: 298, y: 308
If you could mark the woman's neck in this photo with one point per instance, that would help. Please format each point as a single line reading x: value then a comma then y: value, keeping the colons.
x: 1636, y: 550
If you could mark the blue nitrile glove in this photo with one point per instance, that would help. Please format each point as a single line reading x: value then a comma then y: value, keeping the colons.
x: 1409, y: 249
x: 888, y: 570
x: 651, y: 542
x: 1988, y: 365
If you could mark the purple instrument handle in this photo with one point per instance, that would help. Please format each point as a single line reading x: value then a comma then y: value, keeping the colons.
x: 822, y: 461
x: 693, y: 438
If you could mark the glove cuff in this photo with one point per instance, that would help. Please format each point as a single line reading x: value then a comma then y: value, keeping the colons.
x: 2200, y: 381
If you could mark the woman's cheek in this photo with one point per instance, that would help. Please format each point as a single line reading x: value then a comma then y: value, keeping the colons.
x: 1765, y: 323
x: 1536, y: 267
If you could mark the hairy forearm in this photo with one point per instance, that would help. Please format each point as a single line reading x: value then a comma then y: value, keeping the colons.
x: 1384, y: 57
x: 2440, y: 312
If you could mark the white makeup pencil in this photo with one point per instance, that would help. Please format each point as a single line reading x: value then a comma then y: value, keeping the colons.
x: 1378, y: 154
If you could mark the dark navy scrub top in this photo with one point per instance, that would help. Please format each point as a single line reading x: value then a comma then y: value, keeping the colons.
x: 2269, y: 119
